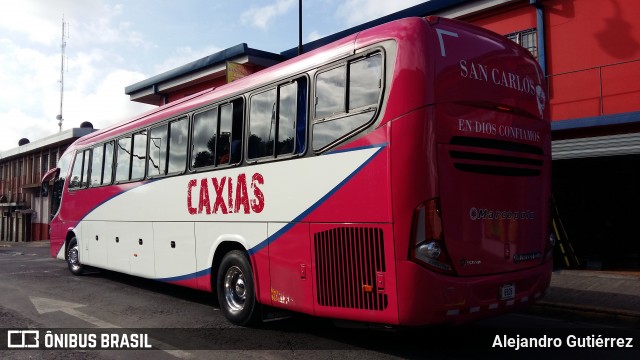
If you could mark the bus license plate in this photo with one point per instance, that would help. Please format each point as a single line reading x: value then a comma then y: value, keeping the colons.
x: 507, y: 291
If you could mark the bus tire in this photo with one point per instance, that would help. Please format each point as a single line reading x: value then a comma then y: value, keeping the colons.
x: 73, y: 257
x: 236, y: 289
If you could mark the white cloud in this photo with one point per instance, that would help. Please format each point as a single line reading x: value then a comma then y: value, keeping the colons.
x: 314, y: 35
x: 17, y: 125
x: 90, y: 21
x: 355, y: 12
x: 40, y: 28
x: 27, y: 76
x: 95, y: 74
x: 262, y: 16
x: 107, y: 105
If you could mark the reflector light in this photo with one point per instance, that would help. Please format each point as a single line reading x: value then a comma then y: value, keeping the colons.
x: 431, y: 250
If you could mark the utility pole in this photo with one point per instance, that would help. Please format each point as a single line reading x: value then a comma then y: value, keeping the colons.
x: 63, y: 45
x: 299, y: 27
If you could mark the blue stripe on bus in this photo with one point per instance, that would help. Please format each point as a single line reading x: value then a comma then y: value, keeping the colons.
x: 143, y: 183
x: 382, y: 145
x: 187, y: 276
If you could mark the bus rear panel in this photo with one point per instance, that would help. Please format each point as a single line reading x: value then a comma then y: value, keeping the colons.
x: 479, y: 239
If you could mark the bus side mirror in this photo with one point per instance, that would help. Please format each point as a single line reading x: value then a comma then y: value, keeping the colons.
x: 51, y: 174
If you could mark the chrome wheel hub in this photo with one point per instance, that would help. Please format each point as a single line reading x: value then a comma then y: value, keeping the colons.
x: 235, y: 292
x: 72, y: 257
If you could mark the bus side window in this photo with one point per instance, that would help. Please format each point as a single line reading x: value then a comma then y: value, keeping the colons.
x: 158, y: 151
x: 76, y: 172
x: 96, y: 166
x: 139, y: 155
x: 223, y: 146
x: 262, y: 118
x: 107, y: 175
x: 301, y: 118
x: 330, y: 92
x: 85, y: 169
x: 365, y: 82
x: 178, y: 135
x: 236, y: 131
x: 203, y: 137
x: 341, y: 110
x: 123, y: 159
x: 287, y: 111
x: 277, y: 121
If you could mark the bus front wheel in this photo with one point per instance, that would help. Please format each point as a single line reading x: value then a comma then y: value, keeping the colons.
x: 236, y: 289
x: 73, y: 257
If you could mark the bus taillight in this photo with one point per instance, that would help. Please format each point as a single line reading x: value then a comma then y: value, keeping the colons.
x: 428, y: 238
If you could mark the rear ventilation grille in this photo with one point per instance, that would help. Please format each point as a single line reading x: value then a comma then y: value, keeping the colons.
x: 471, y: 156
x: 348, y: 261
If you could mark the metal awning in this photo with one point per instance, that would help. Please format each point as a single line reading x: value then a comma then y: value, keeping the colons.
x: 598, y: 146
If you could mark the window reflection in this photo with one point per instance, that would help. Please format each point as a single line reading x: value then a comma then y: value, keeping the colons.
x: 85, y: 169
x: 262, y: 124
x: 204, y: 138
x: 96, y: 165
x: 330, y: 92
x: 325, y: 133
x: 178, y: 145
x: 364, y: 82
x: 123, y: 161
x: 334, y: 120
x: 158, y: 150
x: 108, y: 163
x: 139, y: 155
x: 223, y: 149
x: 287, y: 119
x: 277, y: 121
x: 76, y: 173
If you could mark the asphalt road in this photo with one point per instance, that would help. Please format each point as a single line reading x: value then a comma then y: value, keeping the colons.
x: 38, y: 293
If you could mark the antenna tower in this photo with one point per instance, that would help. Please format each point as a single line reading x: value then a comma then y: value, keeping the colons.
x: 63, y: 45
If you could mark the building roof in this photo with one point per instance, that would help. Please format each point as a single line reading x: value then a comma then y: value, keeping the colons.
x: 51, y: 140
x: 213, y: 65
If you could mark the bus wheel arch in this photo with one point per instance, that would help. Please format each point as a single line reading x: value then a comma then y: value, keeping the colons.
x: 72, y: 254
x: 233, y: 281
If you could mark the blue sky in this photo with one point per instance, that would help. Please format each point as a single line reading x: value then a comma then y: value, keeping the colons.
x: 113, y: 44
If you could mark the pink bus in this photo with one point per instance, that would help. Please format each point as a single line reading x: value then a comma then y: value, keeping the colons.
x: 398, y: 176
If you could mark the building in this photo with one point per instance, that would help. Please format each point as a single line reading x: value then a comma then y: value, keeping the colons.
x: 211, y: 71
x: 25, y: 205
x: 590, y: 52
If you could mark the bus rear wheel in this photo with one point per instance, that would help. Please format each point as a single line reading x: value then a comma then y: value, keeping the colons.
x: 236, y: 289
x: 73, y: 257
